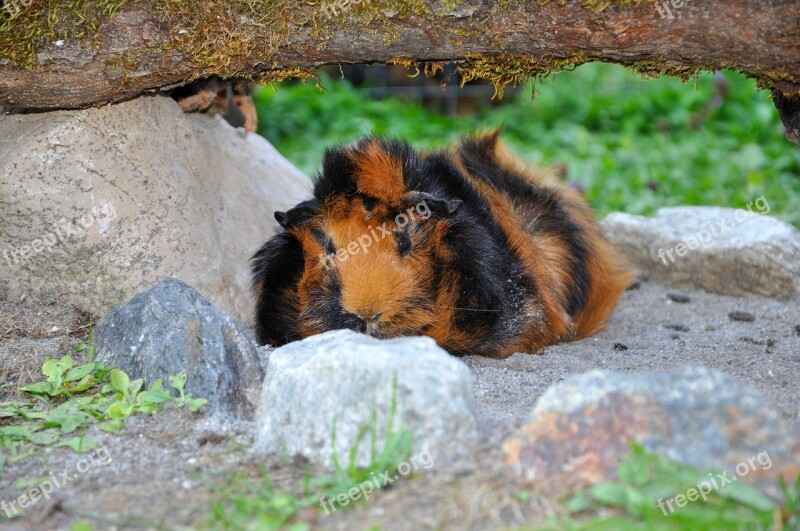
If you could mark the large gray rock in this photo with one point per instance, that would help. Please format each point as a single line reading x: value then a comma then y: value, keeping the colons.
x: 343, y: 377
x: 581, y: 428
x: 101, y: 203
x: 173, y: 328
x: 720, y: 250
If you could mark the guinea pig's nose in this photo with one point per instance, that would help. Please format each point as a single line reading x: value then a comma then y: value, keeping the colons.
x: 367, y: 325
x: 373, y: 319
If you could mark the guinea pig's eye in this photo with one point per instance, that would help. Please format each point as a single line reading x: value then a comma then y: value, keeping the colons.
x: 329, y: 247
x: 325, y: 241
x: 403, y: 243
x: 369, y: 202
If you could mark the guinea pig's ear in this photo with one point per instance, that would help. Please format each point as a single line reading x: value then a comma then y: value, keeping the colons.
x: 300, y: 214
x: 440, y: 207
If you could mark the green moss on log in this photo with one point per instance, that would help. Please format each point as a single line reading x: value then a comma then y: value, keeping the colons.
x: 25, y: 28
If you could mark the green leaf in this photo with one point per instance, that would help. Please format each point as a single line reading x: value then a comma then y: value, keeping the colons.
x: 747, y: 495
x: 76, y: 373
x: 64, y: 364
x: 579, y: 503
x: 71, y: 423
x: 615, y: 494
x: 40, y: 388
x: 112, y: 425
x: 51, y: 369
x: 135, y: 386
x: 147, y: 408
x: 79, y: 444
x: 634, y: 470
x: 178, y: 382
x: 87, y: 382
x: 120, y: 381
x: 43, y: 438
x: 15, y: 432
x: 195, y: 403
x: 120, y: 409
x: 154, y: 396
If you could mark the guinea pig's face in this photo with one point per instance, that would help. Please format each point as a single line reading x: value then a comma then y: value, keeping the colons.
x: 370, y: 256
x: 368, y: 268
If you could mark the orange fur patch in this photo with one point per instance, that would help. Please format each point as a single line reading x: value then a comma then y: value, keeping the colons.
x: 378, y: 174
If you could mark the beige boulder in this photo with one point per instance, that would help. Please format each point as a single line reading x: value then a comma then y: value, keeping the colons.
x: 737, y: 252
x: 98, y: 204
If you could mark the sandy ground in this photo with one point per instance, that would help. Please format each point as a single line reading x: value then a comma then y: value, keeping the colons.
x: 161, y: 467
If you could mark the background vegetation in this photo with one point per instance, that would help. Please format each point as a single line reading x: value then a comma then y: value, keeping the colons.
x: 632, y: 144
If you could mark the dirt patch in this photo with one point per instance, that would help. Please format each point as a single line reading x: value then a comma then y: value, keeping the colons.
x: 161, y: 466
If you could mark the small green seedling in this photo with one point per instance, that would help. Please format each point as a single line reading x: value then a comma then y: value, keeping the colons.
x: 72, y: 397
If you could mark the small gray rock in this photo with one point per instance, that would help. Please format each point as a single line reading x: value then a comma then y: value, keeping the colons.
x: 343, y: 377
x: 679, y: 296
x: 745, y: 317
x: 720, y: 250
x: 173, y: 328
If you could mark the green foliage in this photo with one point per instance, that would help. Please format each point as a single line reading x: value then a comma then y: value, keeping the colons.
x: 635, y: 145
x: 74, y: 397
x: 647, y: 480
x: 24, y: 28
x: 245, y: 503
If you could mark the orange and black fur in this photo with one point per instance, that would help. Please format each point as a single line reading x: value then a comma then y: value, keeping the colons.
x: 467, y: 247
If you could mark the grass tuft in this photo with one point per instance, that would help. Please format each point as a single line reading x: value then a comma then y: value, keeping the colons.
x: 254, y: 503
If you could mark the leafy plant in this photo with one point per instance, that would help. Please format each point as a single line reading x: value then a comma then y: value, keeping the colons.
x: 245, y: 503
x: 177, y: 382
x: 637, y: 501
x: 73, y: 397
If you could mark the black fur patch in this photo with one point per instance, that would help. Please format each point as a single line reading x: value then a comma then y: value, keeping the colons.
x: 277, y: 268
x: 336, y: 176
x: 551, y: 216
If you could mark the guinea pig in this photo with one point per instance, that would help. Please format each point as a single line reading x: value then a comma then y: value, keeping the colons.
x: 466, y: 246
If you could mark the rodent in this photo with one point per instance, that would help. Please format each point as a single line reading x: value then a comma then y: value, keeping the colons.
x: 466, y: 246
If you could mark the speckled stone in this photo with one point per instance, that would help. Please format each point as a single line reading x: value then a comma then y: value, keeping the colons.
x: 582, y: 428
x: 343, y: 377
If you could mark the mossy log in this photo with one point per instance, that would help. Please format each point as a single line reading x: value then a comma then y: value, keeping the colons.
x: 77, y: 53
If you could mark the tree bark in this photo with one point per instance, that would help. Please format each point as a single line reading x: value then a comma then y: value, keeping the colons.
x: 145, y: 46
